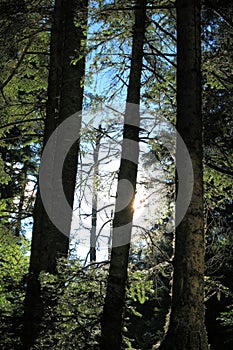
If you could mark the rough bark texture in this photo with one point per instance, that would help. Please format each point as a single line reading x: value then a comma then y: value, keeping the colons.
x: 65, y: 94
x: 186, y: 330
x: 115, y: 296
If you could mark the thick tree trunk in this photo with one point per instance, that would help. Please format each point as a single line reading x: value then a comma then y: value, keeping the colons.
x: 186, y: 330
x: 122, y: 222
x: 65, y: 94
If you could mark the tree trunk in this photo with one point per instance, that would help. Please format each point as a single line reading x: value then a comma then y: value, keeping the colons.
x: 93, y: 237
x: 122, y: 223
x: 65, y: 95
x: 22, y: 198
x: 186, y: 329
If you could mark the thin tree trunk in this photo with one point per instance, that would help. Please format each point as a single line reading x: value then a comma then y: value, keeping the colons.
x: 93, y: 237
x: 186, y: 329
x: 122, y: 222
x: 65, y: 95
x: 24, y: 172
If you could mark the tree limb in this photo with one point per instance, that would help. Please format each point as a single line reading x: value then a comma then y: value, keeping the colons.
x: 219, y: 13
x: 219, y: 169
x: 2, y: 86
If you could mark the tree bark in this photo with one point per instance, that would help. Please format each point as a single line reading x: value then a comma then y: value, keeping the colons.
x: 111, y: 337
x: 186, y: 329
x: 65, y: 95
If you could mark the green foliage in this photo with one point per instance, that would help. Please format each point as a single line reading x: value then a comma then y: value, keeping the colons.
x: 4, y: 177
x: 14, y: 263
x: 24, y: 69
x: 75, y: 296
x: 140, y: 287
x: 227, y: 317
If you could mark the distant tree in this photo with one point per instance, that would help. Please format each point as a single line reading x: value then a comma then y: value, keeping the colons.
x: 93, y: 236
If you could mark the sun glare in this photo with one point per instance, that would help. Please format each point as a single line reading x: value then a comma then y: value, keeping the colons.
x: 140, y: 203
